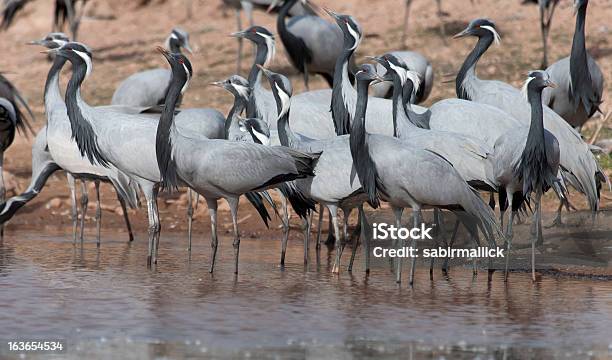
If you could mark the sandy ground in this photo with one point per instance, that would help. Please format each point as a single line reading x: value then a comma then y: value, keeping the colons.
x: 126, y: 43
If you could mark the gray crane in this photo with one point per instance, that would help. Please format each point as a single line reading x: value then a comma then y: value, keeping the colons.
x: 235, y: 130
x: 527, y: 161
x: 580, y: 79
x: 65, y: 12
x: 312, y: 43
x: 54, y: 151
x: 248, y: 6
x: 547, y: 10
x: 132, y: 149
x: 332, y: 184
x: 579, y: 167
x: 219, y: 168
x: 417, y: 63
x: 469, y: 155
x: 148, y: 88
x: 405, y: 175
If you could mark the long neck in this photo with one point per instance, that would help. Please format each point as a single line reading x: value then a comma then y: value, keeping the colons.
x: 260, y: 59
x: 360, y: 151
x: 82, y: 127
x: 281, y: 26
x: 536, y: 129
x: 343, y: 94
x: 402, y: 126
x: 166, y: 135
x: 52, y: 90
x: 255, y: 79
x: 286, y: 136
x: 237, y: 108
x: 468, y: 69
x: 582, y: 89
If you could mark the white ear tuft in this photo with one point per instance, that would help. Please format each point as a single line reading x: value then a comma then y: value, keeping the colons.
x: 496, y: 37
x: 416, y: 80
x: 400, y: 71
x: 87, y: 60
x: 271, y: 45
x: 355, y: 34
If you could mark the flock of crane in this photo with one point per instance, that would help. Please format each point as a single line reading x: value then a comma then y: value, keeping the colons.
x: 365, y: 140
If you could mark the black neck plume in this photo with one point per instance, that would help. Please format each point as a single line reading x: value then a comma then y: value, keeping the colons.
x: 237, y: 109
x: 163, y: 139
x: 340, y: 114
x: 82, y: 130
x: 56, y: 67
x: 360, y: 151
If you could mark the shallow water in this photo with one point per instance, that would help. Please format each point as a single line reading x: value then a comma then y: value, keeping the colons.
x: 107, y: 302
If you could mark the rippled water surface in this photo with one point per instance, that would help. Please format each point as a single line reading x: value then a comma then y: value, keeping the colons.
x: 107, y: 302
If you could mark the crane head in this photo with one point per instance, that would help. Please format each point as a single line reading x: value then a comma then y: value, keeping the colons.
x: 78, y: 54
x: 350, y: 28
x: 237, y: 85
x: 368, y: 73
x: 53, y: 40
x: 480, y: 28
x: 258, y: 128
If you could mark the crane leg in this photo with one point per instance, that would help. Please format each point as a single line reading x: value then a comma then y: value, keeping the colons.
x: 285, y: 224
x: 417, y: 222
x: 450, y: 245
x: 84, y: 202
x: 558, y: 221
x: 320, y: 226
x: 331, y: 233
x: 366, y: 232
x: 442, y: 23
x: 398, y: 224
x: 98, y: 212
x: 148, y: 193
x: 509, y: 235
x: 73, y: 205
x: 333, y: 211
x: 212, y: 210
x: 126, y: 218
x: 233, y: 205
x: 189, y: 218
x: 157, y: 224
x: 538, y: 235
x: 306, y: 76
x: 307, y: 229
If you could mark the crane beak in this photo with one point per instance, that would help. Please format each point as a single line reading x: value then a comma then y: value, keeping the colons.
x: 377, y: 79
x: 187, y: 47
x: 35, y: 42
x: 266, y: 72
x: 464, y: 33
x: 331, y: 13
x: 551, y: 84
x: 238, y: 34
x: 273, y: 4
x: 50, y: 51
x: 216, y: 83
x: 378, y: 59
x: 164, y: 52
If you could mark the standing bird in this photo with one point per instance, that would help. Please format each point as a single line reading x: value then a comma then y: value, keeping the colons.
x: 149, y: 88
x: 580, y: 79
x: 313, y: 44
x: 248, y: 6
x: 579, y: 167
x: 405, y: 175
x: 527, y: 160
x: 333, y: 184
x: 439, y: 12
x: 547, y: 10
x: 219, y: 168
x: 415, y: 62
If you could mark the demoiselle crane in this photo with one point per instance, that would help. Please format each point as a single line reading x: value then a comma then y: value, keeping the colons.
x: 580, y: 79
x: 312, y: 43
x: 148, y: 88
x: 219, y: 168
x: 416, y: 62
x: 402, y: 175
x: 578, y: 167
x: 527, y: 160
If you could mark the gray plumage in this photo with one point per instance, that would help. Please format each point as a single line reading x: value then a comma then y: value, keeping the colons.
x: 312, y: 43
x: 469, y: 155
x: 218, y: 168
x: 334, y: 184
x: 408, y: 176
x: 527, y: 160
x: 148, y: 88
x: 579, y: 79
x: 578, y: 165
x: 417, y: 63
